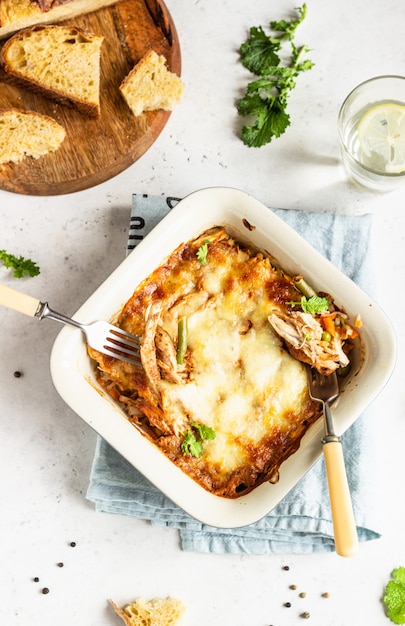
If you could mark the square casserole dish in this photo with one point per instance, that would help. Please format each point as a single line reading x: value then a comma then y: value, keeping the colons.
x: 250, y: 221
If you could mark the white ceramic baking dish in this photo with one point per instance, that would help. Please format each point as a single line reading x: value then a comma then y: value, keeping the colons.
x: 73, y: 375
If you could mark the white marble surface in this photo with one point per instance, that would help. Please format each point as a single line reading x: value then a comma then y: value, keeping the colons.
x: 46, y: 450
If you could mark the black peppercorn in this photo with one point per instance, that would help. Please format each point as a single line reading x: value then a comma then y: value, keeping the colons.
x: 287, y: 604
x: 45, y: 590
x: 60, y: 564
x: 73, y: 544
x: 36, y: 579
x: 17, y: 374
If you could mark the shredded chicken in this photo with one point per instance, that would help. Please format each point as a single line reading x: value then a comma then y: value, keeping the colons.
x: 166, y: 356
x: 148, y: 348
x: 302, y: 333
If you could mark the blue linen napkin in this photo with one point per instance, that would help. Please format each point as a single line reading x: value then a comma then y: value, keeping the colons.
x: 301, y: 522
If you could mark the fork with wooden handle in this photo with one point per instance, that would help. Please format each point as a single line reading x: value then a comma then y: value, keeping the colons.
x: 100, y: 335
x: 325, y: 389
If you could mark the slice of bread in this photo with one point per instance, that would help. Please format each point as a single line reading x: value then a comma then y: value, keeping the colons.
x: 61, y: 63
x: 27, y: 133
x: 150, y: 86
x: 156, y: 612
x: 18, y: 14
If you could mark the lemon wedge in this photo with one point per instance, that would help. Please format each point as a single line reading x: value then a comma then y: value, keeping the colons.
x: 381, y: 133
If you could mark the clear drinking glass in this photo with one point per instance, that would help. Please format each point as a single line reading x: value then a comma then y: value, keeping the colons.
x: 371, y: 126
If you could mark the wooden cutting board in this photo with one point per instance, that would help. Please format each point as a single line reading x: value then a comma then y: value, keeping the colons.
x: 95, y: 150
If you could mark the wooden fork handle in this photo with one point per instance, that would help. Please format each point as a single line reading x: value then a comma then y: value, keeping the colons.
x: 18, y: 301
x: 344, y: 526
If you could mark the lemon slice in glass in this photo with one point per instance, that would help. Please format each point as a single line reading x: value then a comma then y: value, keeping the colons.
x: 381, y: 134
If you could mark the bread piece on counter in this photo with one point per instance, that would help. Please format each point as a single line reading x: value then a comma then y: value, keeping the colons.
x: 61, y: 63
x: 156, y: 612
x: 150, y: 85
x: 18, y: 14
x: 27, y: 133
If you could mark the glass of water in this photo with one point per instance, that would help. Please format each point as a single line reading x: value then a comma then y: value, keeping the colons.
x: 371, y: 126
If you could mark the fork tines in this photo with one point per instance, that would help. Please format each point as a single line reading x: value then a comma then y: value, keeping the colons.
x: 123, y: 345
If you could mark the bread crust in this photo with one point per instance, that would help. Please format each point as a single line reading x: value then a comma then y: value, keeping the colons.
x: 18, y: 14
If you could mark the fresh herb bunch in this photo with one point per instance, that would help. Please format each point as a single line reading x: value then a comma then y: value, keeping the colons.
x: 20, y: 265
x: 266, y: 98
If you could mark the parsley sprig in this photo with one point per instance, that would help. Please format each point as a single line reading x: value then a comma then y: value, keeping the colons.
x: 266, y: 98
x: 20, y: 266
x: 313, y: 305
x: 202, y: 252
x: 193, y: 439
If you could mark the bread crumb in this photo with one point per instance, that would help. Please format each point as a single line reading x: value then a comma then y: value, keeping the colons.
x: 155, y: 612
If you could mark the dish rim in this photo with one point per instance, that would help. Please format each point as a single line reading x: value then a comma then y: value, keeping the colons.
x: 73, y: 378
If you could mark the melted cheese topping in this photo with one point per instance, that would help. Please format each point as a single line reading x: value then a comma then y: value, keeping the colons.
x: 237, y: 377
x: 243, y: 385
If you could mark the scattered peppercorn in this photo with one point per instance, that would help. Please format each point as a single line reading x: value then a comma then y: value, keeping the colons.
x: 17, y: 374
x: 60, y: 564
x: 293, y: 586
x: 73, y: 544
x: 306, y: 615
x: 45, y: 590
x: 287, y: 604
x: 36, y: 579
x: 326, y: 594
x: 303, y: 594
x: 286, y: 567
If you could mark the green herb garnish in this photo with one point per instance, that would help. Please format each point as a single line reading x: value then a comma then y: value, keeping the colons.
x: 193, y: 439
x: 313, y: 305
x: 20, y: 265
x: 191, y: 445
x: 205, y: 432
x: 266, y: 98
x: 394, y: 596
x: 202, y: 252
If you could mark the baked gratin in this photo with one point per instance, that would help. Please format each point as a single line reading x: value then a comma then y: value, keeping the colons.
x: 222, y: 390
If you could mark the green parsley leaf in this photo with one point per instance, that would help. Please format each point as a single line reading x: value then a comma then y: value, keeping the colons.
x: 265, y: 99
x: 192, y: 442
x: 204, y: 431
x: 259, y: 53
x: 394, y: 596
x: 314, y: 304
x: 190, y: 445
x: 289, y: 28
x: 20, y: 265
x: 202, y: 253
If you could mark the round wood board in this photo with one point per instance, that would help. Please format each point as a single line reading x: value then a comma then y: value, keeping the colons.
x: 95, y: 150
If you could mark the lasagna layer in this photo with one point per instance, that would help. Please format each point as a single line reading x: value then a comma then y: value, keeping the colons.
x: 236, y: 380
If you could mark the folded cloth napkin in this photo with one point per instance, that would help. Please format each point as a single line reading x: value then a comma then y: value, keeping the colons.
x: 301, y: 522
